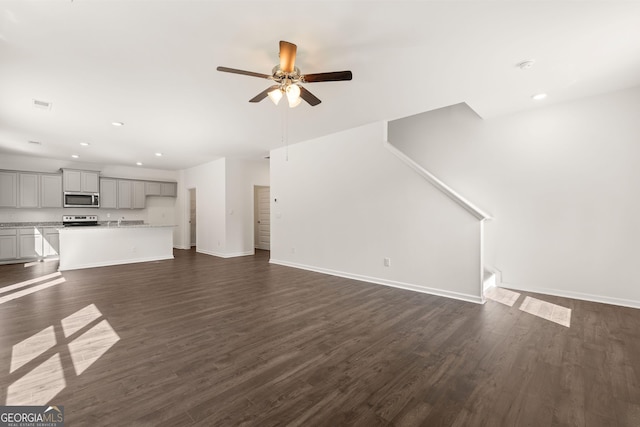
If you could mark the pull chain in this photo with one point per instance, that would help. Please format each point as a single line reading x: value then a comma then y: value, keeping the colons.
x: 285, y: 132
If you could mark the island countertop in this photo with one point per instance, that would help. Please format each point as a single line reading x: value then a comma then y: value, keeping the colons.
x: 114, y: 227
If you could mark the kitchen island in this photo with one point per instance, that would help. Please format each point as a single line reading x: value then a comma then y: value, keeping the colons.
x: 98, y: 246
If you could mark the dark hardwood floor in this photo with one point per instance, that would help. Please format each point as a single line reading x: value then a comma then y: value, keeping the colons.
x: 206, y: 341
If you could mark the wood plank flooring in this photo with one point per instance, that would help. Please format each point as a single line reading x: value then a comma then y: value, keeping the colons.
x: 204, y: 341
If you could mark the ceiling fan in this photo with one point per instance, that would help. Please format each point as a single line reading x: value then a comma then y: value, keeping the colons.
x: 288, y: 79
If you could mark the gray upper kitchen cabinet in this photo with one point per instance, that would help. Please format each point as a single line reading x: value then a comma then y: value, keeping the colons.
x: 153, y: 188
x: 169, y: 189
x: 131, y: 194
x: 138, y: 194
x: 28, y: 190
x: 124, y: 194
x: 8, y: 189
x: 50, y: 191
x: 108, y: 193
x: 81, y: 181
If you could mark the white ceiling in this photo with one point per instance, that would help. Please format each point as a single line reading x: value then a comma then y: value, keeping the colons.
x: 152, y: 65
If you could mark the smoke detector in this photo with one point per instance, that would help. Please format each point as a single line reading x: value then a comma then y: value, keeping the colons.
x: 525, y: 65
x: 44, y: 105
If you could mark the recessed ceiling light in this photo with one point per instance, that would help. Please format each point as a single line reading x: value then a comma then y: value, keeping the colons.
x: 159, y: 154
x: 75, y: 156
x: 139, y: 163
x: 117, y: 123
x: 539, y: 96
x: 85, y: 144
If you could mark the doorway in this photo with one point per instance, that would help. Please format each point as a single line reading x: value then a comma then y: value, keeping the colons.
x: 262, y: 217
x: 192, y: 217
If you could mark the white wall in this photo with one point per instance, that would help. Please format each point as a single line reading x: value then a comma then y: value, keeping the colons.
x: 242, y: 176
x: 561, y: 182
x: 344, y: 203
x: 209, y: 181
x: 224, y: 211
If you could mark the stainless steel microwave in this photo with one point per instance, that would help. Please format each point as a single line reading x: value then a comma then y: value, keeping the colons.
x: 81, y: 200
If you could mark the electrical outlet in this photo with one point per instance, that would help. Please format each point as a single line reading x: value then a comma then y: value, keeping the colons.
x: 387, y: 262
x: 293, y: 250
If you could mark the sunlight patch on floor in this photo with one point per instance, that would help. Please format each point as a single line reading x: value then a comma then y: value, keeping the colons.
x: 88, y: 347
x: 32, y: 347
x: 78, y: 320
x: 43, y: 383
x: 19, y: 285
x: 31, y: 264
x: 11, y: 296
x: 548, y: 311
x: 38, y: 386
x: 501, y: 295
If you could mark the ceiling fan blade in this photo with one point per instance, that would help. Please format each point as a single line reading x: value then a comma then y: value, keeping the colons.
x: 334, y: 76
x: 262, y: 95
x: 287, y: 56
x: 246, y: 73
x: 309, y: 97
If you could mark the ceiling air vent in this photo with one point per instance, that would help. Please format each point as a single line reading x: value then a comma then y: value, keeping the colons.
x: 35, y: 142
x: 42, y: 104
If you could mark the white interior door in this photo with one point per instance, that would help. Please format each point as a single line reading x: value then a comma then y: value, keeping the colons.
x: 263, y: 218
x: 192, y: 215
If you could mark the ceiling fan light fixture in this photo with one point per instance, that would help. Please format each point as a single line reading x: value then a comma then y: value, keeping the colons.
x: 293, y: 95
x: 275, y: 95
x: 286, y: 78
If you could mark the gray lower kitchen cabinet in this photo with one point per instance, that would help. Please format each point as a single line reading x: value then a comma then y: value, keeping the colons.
x: 8, y: 189
x: 18, y: 244
x: 28, y: 190
x: 8, y: 244
x: 30, y: 243
x: 50, y: 191
x: 51, y: 242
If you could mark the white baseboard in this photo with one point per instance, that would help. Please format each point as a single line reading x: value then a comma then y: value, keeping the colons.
x: 182, y: 247
x: 575, y: 295
x: 385, y: 282
x: 226, y: 255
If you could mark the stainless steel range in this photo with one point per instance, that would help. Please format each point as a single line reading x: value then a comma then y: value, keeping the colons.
x: 79, y: 220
